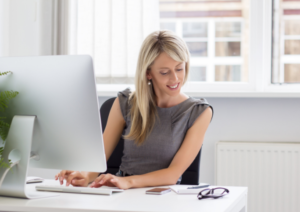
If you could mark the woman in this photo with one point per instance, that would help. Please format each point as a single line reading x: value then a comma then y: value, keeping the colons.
x: 164, y: 128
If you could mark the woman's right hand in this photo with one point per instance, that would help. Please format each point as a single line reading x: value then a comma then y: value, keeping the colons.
x: 74, y: 178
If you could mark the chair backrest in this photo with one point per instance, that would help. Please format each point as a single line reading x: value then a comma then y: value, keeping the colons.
x: 190, y: 176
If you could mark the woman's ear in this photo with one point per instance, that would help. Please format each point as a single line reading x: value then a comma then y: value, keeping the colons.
x: 148, y: 74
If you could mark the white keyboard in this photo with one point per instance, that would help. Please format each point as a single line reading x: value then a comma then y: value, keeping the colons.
x: 104, y: 190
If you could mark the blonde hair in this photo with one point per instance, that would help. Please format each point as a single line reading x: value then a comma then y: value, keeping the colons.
x: 143, y: 105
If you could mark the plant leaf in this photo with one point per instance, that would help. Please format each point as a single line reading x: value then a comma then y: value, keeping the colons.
x: 3, y: 164
x: 4, y: 127
x: 5, y: 73
x: 5, y: 97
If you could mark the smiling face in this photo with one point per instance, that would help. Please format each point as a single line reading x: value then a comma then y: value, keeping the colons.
x: 167, y: 75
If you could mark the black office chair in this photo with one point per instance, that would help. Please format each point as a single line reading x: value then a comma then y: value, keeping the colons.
x: 190, y: 176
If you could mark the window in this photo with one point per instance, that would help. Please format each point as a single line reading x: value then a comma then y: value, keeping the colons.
x: 217, y: 35
x: 286, y: 41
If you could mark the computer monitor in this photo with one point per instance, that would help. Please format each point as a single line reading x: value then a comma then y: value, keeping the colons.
x: 60, y: 91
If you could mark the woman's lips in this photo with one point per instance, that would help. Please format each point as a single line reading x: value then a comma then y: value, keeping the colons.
x: 173, y: 87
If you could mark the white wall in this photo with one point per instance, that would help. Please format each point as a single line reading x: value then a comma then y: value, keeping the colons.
x: 26, y: 27
x: 4, y: 27
x: 249, y: 119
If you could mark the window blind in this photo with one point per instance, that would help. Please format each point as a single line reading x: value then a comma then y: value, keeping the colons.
x: 111, y: 31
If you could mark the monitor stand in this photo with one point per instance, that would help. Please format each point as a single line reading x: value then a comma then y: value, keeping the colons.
x: 17, y: 149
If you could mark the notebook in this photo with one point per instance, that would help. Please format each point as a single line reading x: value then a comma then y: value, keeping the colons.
x: 183, y: 189
x: 103, y: 190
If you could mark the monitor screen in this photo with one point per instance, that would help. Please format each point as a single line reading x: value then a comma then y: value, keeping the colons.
x: 61, y: 92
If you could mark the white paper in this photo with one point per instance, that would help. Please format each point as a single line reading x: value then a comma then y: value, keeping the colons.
x: 183, y: 189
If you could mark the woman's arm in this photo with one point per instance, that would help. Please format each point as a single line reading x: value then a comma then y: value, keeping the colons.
x: 112, y: 133
x: 111, y: 136
x: 182, y: 160
x: 114, y: 128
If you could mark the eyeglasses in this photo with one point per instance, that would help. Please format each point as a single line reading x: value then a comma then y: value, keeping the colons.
x: 213, y: 193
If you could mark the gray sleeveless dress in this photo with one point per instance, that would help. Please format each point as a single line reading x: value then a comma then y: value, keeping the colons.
x: 168, y: 133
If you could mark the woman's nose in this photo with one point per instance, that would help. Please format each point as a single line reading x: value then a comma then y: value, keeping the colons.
x: 174, y: 76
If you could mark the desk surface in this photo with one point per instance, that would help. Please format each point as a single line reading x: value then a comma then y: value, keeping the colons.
x: 130, y: 200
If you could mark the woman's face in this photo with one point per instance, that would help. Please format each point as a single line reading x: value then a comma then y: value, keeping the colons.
x: 167, y: 75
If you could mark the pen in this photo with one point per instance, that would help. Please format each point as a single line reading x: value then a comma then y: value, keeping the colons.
x: 195, y: 187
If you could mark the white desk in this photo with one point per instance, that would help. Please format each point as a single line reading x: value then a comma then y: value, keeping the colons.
x: 130, y: 200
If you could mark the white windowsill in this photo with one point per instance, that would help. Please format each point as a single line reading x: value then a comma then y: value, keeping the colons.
x: 112, y: 90
x: 246, y: 94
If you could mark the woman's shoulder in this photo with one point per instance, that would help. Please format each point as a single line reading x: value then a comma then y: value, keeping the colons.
x: 123, y: 97
x: 198, y: 101
x: 192, y: 103
x: 198, y: 106
x: 190, y: 110
x: 125, y: 93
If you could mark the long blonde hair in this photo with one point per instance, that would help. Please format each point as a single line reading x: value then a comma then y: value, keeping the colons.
x: 143, y: 104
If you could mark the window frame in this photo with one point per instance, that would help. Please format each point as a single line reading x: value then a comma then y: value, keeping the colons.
x: 285, y: 58
x: 210, y: 60
x: 267, y: 85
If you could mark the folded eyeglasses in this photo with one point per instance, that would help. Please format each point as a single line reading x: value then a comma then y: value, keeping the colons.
x: 213, y: 193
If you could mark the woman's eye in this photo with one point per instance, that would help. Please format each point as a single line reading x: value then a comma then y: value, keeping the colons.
x: 179, y: 69
x: 163, y: 73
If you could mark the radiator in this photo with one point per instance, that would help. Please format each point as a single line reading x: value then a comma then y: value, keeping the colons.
x: 271, y: 171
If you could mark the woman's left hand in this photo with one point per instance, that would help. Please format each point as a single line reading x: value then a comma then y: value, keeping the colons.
x: 111, y: 180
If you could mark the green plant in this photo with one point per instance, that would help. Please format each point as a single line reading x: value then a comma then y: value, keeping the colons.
x: 5, y: 97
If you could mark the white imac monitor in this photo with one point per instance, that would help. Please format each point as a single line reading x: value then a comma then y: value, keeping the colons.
x: 60, y: 91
